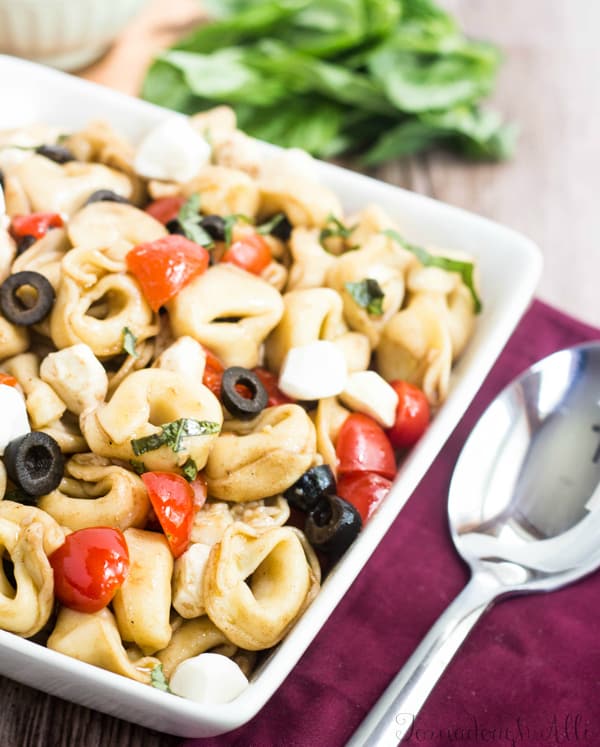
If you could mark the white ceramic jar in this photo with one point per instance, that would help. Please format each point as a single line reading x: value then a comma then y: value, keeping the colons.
x: 67, y: 34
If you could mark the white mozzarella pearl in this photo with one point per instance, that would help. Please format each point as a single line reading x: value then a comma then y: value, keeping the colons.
x: 314, y: 371
x: 172, y: 151
x: 14, y: 421
x: 208, y: 678
x: 369, y: 393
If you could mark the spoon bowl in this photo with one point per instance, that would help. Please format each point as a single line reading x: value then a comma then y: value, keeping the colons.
x: 524, y: 514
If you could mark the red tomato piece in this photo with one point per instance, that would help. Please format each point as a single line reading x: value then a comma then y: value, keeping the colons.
x: 89, y: 568
x: 362, y: 446
x: 412, y: 415
x: 364, y: 490
x: 213, y: 373
x: 34, y: 224
x: 248, y: 250
x: 172, y: 499
x: 269, y: 381
x: 8, y: 380
x: 165, y: 208
x: 164, y: 266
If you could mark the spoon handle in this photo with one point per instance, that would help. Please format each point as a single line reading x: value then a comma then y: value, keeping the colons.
x: 393, y: 715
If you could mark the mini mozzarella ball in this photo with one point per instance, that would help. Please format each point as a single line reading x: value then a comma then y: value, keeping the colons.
x: 185, y: 356
x: 369, y: 393
x: 314, y: 371
x: 188, y: 576
x: 172, y: 151
x: 14, y: 422
x: 208, y: 678
x: 77, y: 376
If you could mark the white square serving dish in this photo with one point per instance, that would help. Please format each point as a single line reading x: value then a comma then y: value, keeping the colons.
x: 509, y: 265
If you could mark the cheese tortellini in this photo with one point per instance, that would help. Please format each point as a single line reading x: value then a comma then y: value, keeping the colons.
x: 161, y: 370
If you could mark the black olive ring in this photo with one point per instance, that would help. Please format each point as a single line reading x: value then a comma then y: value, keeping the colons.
x: 332, y: 526
x: 56, y: 153
x: 106, y: 195
x: 238, y: 405
x: 14, y: 309
x: 316, y: 482
x: 35, y: 463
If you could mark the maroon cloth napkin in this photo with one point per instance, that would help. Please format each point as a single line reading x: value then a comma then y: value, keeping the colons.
x: 529, y: 673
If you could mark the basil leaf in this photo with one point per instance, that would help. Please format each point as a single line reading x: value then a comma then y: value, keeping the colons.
x: 266, y: 228
x: 367, y: 293
x: 129, y: 341
x: 138, y: 466
x: 190, y: 470
x: 189, y: 220
x: 335, y: 227
x: 172, y: 434
x: 230, y: 221
x: 158, y: 679
x: 463, y: 268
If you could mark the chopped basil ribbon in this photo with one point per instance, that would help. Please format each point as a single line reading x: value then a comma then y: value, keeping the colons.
x: 265, y: 228
x: 335, y: 227
x: 367, y: 294
x: 172, y: 434
x: 230, y: 221
x: 190, y: 470
x: 138, y: 466
x: 158, y: 679
x: 463, y: 268
x: 189, y: 220
x: 129, y: 341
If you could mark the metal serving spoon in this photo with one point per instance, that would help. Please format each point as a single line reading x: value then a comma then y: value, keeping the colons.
x: 524, y: 511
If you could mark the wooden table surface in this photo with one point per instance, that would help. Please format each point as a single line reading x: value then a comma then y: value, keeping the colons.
x: 549, y: 85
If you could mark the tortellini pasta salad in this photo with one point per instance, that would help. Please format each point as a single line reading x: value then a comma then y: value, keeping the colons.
x: 208, y: 374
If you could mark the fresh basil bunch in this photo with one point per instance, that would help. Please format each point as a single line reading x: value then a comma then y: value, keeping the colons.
x: 383, y: 78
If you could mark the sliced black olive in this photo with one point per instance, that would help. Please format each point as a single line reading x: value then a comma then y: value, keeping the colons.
x: 238, y: 405
x: 317, y: 481
x: 56, y: 153
x: 214, y: 226
x: 332, y: 525
x: 29, y: 311
x: 25, y: 242
x: 106, y: 195
x: 35, y: 463
x: 174, y: 226
x: 1, y: 179
x: 282, y: 229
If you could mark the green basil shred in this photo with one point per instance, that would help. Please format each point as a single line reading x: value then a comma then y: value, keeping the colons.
x: 172, y: 434
x: 129, y: 341
x: 335, y: 227
x: 267, y: 227
x: 463, y: 268
x: 158, y: 679
x: 189, y: 221
x: 367, y: 293
x: 190, y: 470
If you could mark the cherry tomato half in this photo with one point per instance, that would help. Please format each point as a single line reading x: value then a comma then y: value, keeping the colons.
x: 364, y: 490
x: 269, y: 381
x: 164, y: 266
x: 412, y: 415
x: 213, y: 373
x: 248, y: 250
x: 34, y: 224
x: 7, y: 379
x: 89, y: 568
x: 165, y: 208
x: 362, y: 446
x: 172, y: 499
